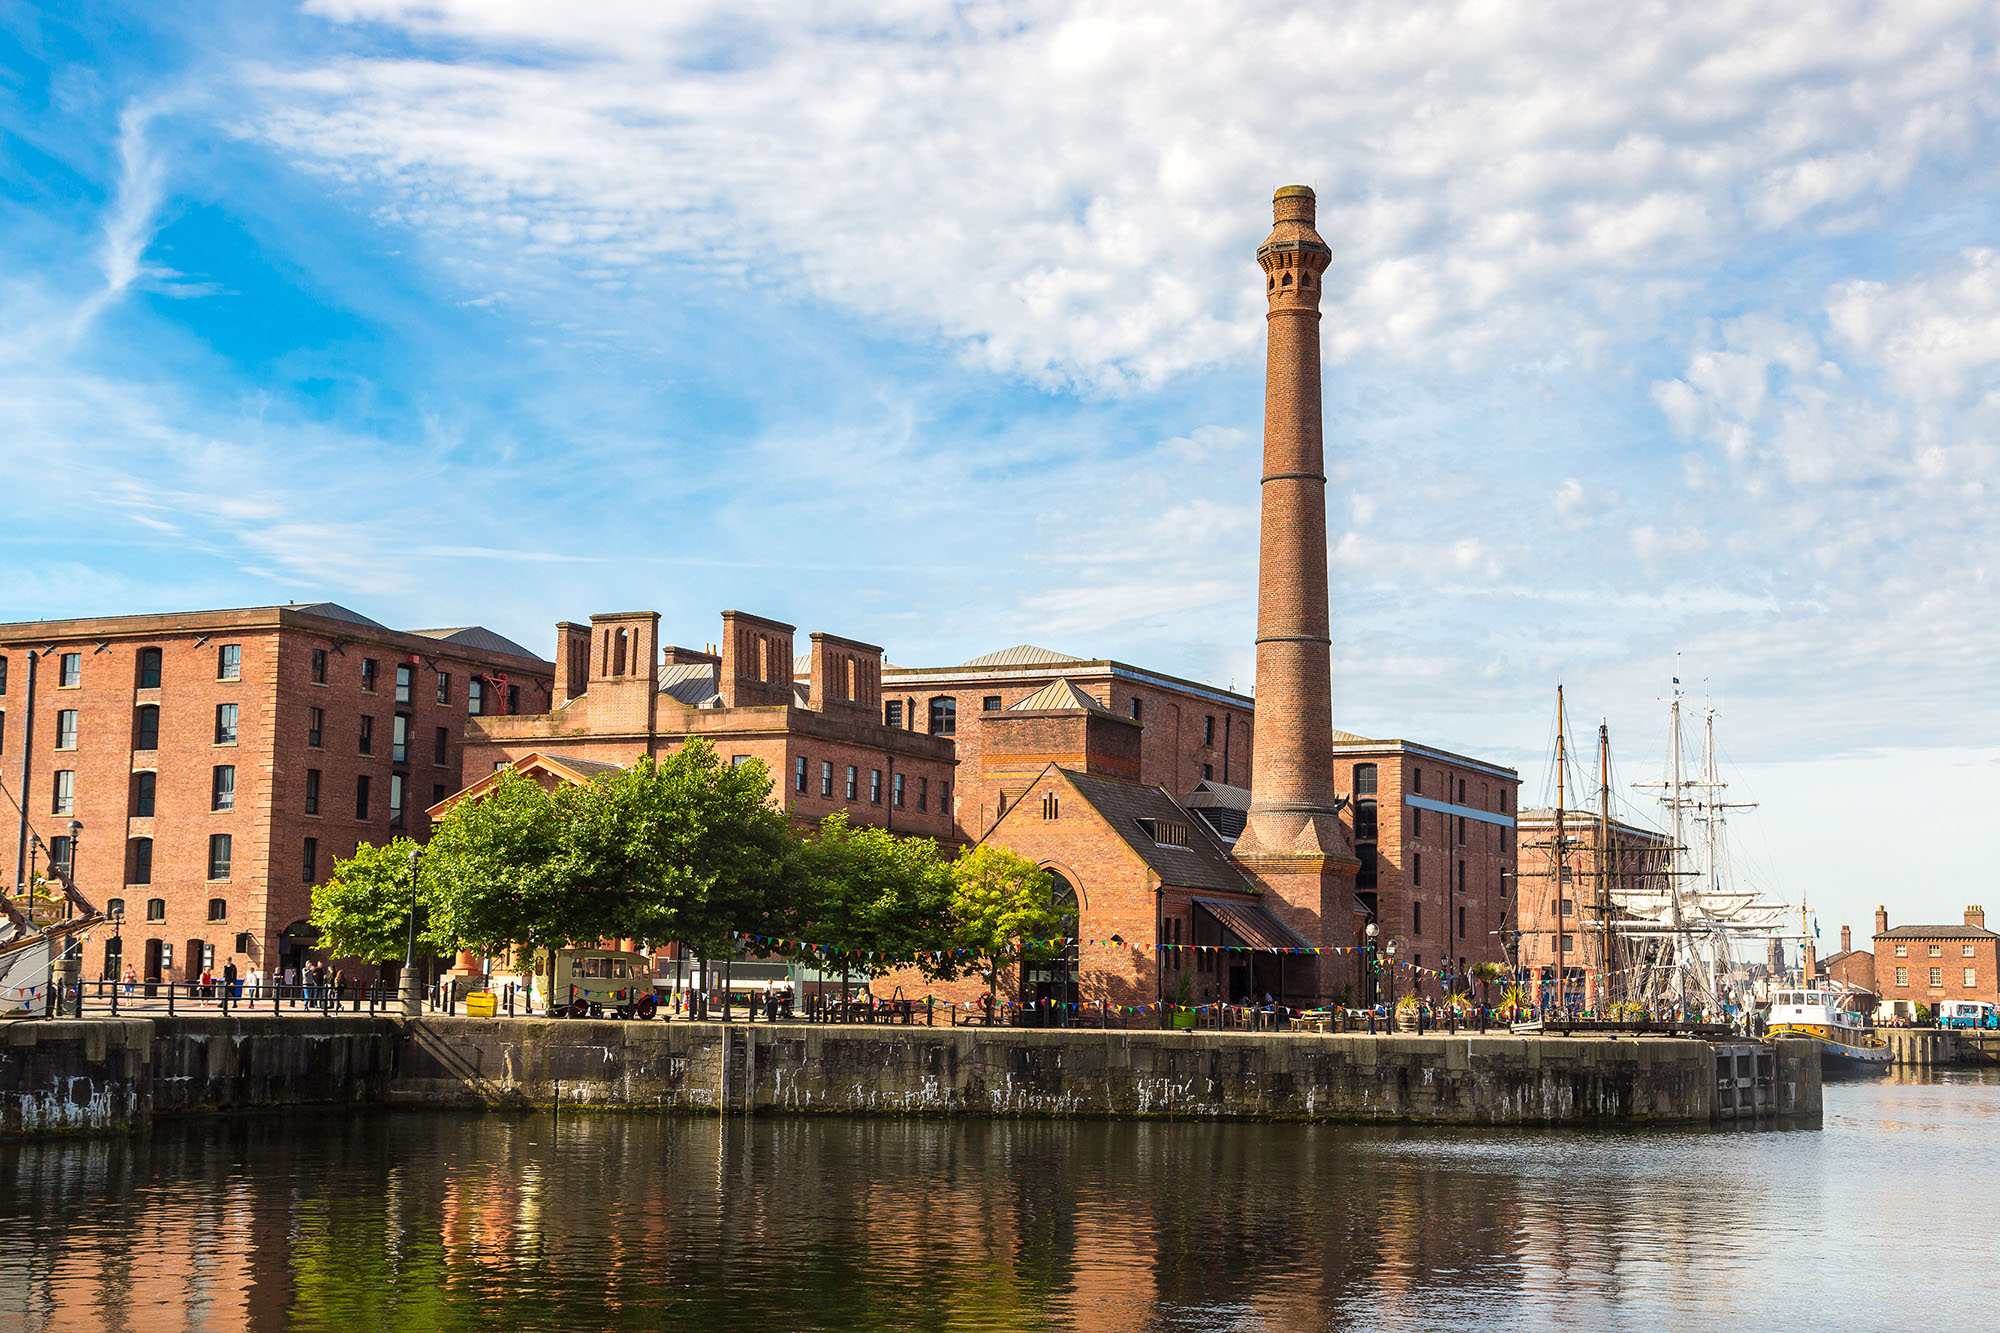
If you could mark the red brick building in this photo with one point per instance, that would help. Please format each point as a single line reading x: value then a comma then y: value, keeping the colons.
x: 1849, y: 967
x: 1927, y: 965
x: 1636, y: 860
x: 220, y: 761
x: 619, y: 694
x: 1189, y: 731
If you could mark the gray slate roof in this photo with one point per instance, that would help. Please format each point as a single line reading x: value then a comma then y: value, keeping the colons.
x: 476, y: 637
x: 692, y: 683
x: 1059, y: 694
x: 589, y: 768
x: 1960, y: 931
x: 1203, y: 864
x: 1021, y: 654
x: 335, y: 611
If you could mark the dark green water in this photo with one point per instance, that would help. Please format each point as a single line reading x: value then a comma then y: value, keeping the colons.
x: 427, y: 1221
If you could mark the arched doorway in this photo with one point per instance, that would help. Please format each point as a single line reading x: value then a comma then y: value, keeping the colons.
x: 1049, y: 985
x: 293, y: 945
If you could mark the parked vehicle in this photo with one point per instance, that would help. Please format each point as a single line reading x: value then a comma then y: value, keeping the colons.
x: 1968, y: 1014
x: 586, y: 983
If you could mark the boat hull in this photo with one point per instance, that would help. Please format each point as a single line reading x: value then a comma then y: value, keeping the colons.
x: 1839, y: 1054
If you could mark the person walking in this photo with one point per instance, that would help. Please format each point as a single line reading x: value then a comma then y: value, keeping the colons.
x: 131, y: 979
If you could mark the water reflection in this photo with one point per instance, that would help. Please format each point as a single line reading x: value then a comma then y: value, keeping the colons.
x: 413, y: 1220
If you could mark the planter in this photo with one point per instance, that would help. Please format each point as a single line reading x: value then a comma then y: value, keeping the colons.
x: 1406, y: 1020
x: 1185, y: 1020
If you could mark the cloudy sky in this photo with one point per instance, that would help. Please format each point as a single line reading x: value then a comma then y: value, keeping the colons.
x: 1654, y: 334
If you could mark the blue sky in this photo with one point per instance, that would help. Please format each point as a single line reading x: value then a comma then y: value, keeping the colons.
x: 1650, y: 331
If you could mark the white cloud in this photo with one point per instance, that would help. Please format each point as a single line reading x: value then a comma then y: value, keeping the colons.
x: 1070, y: 192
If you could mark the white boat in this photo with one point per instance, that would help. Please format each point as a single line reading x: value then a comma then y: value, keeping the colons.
x: 1847, y: 1044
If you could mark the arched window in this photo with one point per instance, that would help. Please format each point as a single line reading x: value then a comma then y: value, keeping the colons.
x: 149, y: 668
x: 114, y: 908
x: 618, y: 653
x: 156, y: 909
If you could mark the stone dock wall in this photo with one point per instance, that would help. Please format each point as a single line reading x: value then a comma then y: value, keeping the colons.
x: 108, y: 1075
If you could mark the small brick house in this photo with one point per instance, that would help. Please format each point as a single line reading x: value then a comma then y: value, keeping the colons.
x: 1927, y: 965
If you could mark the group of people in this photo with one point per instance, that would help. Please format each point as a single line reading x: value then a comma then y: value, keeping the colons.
x: 315, y: 984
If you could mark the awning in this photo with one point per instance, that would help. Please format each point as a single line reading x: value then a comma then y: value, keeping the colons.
x: 1253, y: 924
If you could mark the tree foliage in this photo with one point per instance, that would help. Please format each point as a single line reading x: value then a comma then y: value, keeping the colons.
x: 1002, y: 909
x: 885, y: 900
x: 363, y: 911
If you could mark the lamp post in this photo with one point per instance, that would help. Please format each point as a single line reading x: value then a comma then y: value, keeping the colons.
x: 412, y: 1001
x: 1389, y: 954
x: 67, y: 971
x: 1370, y: 981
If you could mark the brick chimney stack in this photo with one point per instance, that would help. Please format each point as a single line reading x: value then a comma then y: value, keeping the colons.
x: 1846, y: 940
x: 1975, y: 916
x: 1881, y: 921
x: 1293, y: 842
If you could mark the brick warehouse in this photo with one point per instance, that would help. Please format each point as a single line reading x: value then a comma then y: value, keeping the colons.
x: 220, y: 761
x: 1638, y: 859
x: 1926, y: 965
x: 620, y: 694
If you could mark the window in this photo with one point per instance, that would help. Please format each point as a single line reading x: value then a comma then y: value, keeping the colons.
x: 1208, y: 730
x: 319, y: 666
x: 218, y: 909
x: 444, y: 687
x: 361, y: 797
x: 1965, y: 951
x: 825, y: 778
x: 312, y: 791
x: 1366, y: 821
x: 799, y: 775
x: 219, y: 845
x: 367, y: 737
x: 309, y: 857
x: 1503, y: 800
x: 3, y: 675
x: 225, y: 724
x: 990, y: 704
x: 405, y: 675
x: 513, y: 699
x: 149, y: 668
x: 1364, y: 779
x: 892, y: 713
x: 944, y: 797
x: 156, y: 909
x: 1461, y: 826
x: 1937, y: 978
x: 395, y: 800
x: 1936, y: 951
x: 1569, y: 944
x: 146, y: 727
x: 229, y: 662
x: 66, y: 729
x: 143, y: 786
x: 944, y: 717
x: 475, y: 696
x: 1902, y: 950
x: 114, y: 908
x: 1461, y: 877
x: 1417, y: 870
x: 923, y: 793
x: 315, y: 728
x: 1207, y: 772
x: 64, y: 800
x: 1569, y: 907
x: 437, y: 792
x: 853, y: 782
x: 896, y: 792
x: 3, y: 731
x: 874, y: 786
x: 1416, y: 822
x: 1902, y: 976
x: 1416, y: 918
x: 441, y: 746
x: 69, y: 671
x: 1969, y: 980
x: 368, y: 670
x: 1135, y: 707
x: 139, y: 861
x: 1461, y: 923
x: 222, y: 788
x: 1416, y: 779
x: 399, y: 739
x: 1461, y: 791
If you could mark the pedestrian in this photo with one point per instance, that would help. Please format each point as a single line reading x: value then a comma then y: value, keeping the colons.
x: 207, y: 991
x: 229, y: 990
x: 131, y: 979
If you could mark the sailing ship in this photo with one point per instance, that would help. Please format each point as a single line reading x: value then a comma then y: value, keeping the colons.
x: 37, y: 925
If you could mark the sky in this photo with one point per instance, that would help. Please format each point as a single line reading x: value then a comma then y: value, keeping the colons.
x: 1659, y: 340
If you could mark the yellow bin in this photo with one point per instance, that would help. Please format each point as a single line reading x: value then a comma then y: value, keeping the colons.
x: 481, y: 1004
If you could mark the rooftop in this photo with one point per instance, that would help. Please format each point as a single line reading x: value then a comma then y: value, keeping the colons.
x: 1203, y: 864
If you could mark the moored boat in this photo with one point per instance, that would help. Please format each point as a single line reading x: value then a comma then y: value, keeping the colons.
x: 1847, y: 1043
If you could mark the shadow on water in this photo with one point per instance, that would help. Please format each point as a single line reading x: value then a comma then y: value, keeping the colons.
x: 451, y: 1221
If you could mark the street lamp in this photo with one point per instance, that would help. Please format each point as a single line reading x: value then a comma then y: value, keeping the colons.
x: 1371, y: 981
x: 412, y: 1005
x: 1389, y: 953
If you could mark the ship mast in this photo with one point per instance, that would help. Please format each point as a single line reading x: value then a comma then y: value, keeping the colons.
x: 1562, y: 845
x: 1605, y: 958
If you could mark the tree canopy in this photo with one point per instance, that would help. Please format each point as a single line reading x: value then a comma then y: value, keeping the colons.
x: 363, y: 911
x: 1003, y: 909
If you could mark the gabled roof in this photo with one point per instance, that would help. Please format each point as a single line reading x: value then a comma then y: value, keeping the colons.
x: 1225, y: 808
x: 1021, y: 654
x: 1960, y: 931
x: 1349, y: 738
x: 476, y: 637
x: 562, y: 767
x: 1203, y: 864
x: 1059, y: 694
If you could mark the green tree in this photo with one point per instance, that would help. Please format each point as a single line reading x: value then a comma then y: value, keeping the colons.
x: 1003, y: 910
x: 363, y: 911
x: 869, y: 892
x: 495, y: 867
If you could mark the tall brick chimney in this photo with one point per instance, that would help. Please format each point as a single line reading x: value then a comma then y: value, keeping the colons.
x: 1881, y: 921
x: 1846, y: 940
x: 1293, y: 843
x: 1975, y: 916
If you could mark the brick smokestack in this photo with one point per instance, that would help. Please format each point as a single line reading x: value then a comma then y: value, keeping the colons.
x: 1881, y: 921
x: 1846, y: 940
x: 1292, y: 807
x: 1293, y: 843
